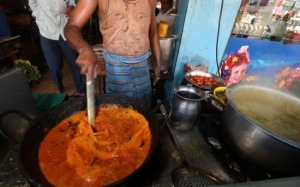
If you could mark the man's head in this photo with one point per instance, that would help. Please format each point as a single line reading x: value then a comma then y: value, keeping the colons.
x: 166, y: 5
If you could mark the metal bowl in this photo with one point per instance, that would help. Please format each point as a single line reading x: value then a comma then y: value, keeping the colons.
x: 167, y: 46
x: 189, y: 74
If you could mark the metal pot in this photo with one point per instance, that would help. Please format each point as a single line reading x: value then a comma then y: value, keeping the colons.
x: 186, y: 107
x: 29, y: 146
x: 167, y: 46
x: 262, y: 146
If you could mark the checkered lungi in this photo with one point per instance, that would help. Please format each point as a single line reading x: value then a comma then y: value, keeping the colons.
x: 128, y: 76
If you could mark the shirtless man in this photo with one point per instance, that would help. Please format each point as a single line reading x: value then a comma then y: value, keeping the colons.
x: 129, y: 34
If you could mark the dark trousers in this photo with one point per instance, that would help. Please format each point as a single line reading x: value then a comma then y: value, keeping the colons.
x: 53, y: 51
x: 4, y: 26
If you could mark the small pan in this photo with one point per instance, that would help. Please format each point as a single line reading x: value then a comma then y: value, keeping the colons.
x: 210, y: 87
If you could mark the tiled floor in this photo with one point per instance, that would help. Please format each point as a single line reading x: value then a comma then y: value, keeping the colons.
x: 47, y: 85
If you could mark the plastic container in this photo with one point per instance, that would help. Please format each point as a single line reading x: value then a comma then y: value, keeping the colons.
x: 196, y: 63
x: 163, y: 29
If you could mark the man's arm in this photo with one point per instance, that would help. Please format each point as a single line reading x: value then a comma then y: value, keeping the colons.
x: 154, y: 43
x: 87, y: 59
x: 70, y: 7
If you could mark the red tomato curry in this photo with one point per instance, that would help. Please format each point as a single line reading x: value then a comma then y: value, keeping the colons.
x: 203, y: 81
x: 72, y: 154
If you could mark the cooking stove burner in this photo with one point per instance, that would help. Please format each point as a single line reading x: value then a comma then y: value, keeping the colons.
x: 213, y: 141
x: 231, y: 162
x: 193, y: 177
x: 228, y: 160
x: 217, y: 144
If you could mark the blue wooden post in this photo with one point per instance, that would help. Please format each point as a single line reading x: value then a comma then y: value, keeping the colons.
x: 196, y: 25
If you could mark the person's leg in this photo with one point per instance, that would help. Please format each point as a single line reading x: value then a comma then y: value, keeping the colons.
x: 4, y: 26
x: 71, y: 56
x: 52, y: 54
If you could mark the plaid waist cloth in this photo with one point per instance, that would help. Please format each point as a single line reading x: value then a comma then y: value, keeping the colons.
x: 128, y: 76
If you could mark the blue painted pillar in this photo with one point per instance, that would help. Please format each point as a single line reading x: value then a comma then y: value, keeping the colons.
x: 197, y: 25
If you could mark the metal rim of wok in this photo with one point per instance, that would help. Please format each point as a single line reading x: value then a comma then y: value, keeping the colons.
x: 233, y: 88
x: 28, y: 148
x: 202, y: 73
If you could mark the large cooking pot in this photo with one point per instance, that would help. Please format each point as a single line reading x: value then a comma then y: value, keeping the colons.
x: 265, y: 148
x: 29, y: 146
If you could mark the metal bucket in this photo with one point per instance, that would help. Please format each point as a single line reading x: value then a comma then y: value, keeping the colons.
x: 186, y: 107
x: 167, y: 46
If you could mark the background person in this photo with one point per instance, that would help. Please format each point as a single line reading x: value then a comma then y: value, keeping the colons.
x: 4, y: 25
x: 166, y: 6
x: 164, y: 15
x: 51, y: 18
x: 233, y: 68
x: 128, y: 28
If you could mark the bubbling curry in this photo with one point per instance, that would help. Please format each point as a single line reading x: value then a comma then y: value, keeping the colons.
x: 273, y: 111
x: 74, y: 154
x: 285, y: 125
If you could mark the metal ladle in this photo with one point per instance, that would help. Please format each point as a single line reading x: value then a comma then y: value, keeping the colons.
x: 91, y: 106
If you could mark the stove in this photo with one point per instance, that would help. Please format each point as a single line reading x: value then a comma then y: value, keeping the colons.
x: 195, y: 158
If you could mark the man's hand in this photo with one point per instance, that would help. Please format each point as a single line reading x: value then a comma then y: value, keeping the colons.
x: 156, y: 75
x: 69, y: 11
x: 79, y: 15
x: 88, y: 63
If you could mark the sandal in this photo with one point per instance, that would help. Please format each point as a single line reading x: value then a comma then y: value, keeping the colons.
x: 56, y: 91
x: 77, y: 94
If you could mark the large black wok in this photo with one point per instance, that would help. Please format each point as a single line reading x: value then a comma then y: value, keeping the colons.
x: 258, y: 145
x: 29, y: 146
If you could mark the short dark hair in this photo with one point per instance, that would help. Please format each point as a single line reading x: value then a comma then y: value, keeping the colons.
x: 169, y: 1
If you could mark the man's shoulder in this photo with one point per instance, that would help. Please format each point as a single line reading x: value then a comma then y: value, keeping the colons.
x: 102, y: 3
x: 152, y: 3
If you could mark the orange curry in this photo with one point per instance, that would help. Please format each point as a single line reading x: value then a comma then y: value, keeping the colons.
x: 73, y: 154
x: 203, y: 81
